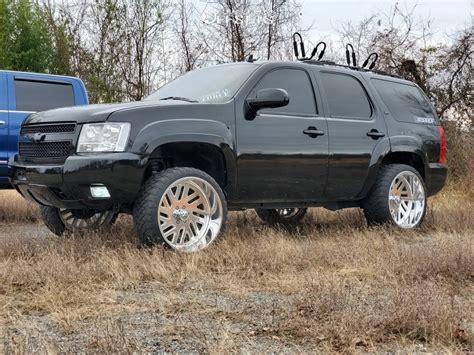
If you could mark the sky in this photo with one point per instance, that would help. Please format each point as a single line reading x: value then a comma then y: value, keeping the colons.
x: 448, y: 16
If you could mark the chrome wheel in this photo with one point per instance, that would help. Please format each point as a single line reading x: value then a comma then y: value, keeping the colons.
x: 287, y: 212
x: 190, y: 214
x: 75, y: 220
x: 407, y: 199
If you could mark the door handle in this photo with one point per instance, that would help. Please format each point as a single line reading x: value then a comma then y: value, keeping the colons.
x: 2, y: 123
x: 375, y: 134
x: 313, y: 132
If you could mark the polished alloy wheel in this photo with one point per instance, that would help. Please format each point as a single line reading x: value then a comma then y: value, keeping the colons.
x: 407, y: 201
x: 190, y: 214
x: 287, y: 212
x: 84, y: 219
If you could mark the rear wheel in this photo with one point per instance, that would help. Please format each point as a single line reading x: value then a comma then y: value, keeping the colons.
x: 180, y: 208
x: 282, y: 215
x: 59, y: 220
x: 398, y: 197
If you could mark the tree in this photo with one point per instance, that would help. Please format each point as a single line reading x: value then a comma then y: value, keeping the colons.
x: 25, y: 41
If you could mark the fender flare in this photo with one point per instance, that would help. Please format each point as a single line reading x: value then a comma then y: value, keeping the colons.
x: 401, y: 144
x: 215, y: 133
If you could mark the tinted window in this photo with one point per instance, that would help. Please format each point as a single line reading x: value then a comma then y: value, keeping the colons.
x: 346, y: 96
x: 41, y: 96
x: 405, y: 102
x: 297, y: 84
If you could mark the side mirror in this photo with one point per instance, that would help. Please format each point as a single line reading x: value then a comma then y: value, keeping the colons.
x: 266, y: 98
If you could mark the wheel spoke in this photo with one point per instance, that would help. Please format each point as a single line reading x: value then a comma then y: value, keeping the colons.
x: 406, y: 199
x: 190, y: 214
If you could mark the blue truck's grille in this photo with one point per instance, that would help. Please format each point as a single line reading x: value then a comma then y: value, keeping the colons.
x: 54, y: 128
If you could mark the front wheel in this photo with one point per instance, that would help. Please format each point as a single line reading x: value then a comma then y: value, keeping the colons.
x: 284, y: 216
x: 60, y: 220
x: 398, y: 197
x: 180, y: 208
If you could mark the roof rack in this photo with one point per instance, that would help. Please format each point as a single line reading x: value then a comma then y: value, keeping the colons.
x: 334, y: 64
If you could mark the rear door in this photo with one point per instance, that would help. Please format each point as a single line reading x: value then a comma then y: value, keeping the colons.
x: 355, y: 128
x: 29, y: 93
x: 3, y: 128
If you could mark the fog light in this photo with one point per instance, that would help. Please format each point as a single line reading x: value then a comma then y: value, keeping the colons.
x: 99, y: 191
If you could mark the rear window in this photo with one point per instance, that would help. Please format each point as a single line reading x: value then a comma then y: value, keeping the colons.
x: 405, y: 102
x: 32, y: 95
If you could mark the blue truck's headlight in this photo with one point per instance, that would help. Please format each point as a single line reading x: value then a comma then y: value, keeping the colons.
x: 103, y: 137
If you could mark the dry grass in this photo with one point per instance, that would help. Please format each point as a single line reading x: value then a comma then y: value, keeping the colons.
x: 332, y: 285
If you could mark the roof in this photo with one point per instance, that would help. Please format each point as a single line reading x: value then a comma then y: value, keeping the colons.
x: 38, y: 74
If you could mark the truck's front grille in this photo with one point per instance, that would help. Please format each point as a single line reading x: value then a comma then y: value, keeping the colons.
x: 49, y: 128
x: 54, y: 152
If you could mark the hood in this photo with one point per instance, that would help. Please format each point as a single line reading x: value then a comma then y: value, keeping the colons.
x: 89, y: 113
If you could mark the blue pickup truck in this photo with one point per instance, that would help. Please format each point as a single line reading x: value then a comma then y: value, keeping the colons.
x: 24, y: 93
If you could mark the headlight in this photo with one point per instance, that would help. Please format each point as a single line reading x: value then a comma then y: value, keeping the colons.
x: 103, y: 137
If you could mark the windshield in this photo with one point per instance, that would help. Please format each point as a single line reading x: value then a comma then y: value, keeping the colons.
x: 216, y: 84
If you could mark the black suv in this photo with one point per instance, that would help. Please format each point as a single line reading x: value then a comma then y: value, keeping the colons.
x: 278, y: 137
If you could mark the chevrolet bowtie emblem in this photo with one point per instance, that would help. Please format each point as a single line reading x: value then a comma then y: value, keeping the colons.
x: 37, y: 137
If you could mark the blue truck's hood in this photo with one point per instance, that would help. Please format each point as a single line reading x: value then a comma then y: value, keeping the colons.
x: 89, y: 113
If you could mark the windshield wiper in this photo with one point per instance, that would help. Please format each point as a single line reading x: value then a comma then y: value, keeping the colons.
x: 178, y: 98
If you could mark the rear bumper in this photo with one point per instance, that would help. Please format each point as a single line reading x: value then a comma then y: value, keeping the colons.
x: 435, y: 177
x: 68, y: 185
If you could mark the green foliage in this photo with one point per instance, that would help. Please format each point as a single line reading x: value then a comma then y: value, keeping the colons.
x: 25, y: 40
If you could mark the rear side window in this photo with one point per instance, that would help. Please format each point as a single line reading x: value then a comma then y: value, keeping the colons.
x: 405, y: 102
x: 36, y: 96
x: 346, y: 96
x: 298, y: 85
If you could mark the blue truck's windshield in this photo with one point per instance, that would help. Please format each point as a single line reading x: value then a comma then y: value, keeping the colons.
x: 216, y: 84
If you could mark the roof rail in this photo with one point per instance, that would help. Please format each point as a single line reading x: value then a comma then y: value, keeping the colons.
x: 330, y: 63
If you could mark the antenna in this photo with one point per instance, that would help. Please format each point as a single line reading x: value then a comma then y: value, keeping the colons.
x: 349, y: 54
x: 295, y: 46
x: 315, y: 50
x: 372, y: 65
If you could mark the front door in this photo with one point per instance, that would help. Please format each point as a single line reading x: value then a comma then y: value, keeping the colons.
x: 283, y: 152
x: 355, y: 128
x: 3, y: 129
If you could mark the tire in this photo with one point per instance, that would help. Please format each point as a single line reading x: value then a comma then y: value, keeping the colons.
x: 284, y: 216
x: 389, y: 200
x: 60, y: 221
x: 180, y: 208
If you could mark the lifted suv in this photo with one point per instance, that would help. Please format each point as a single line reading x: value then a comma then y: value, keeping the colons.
x: 275, y: 136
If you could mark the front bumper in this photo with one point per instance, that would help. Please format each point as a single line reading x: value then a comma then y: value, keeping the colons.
x: 68, y: 185
x: 435, y: 179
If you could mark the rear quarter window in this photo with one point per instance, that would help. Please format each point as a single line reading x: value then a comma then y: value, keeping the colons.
x: 405, y: 102
x: 32, y: 95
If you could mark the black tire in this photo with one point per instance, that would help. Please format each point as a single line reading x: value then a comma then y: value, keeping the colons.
x: 376, y: 205
x: 145, y: 210
x: 52, y: 219
x: 273, y: 217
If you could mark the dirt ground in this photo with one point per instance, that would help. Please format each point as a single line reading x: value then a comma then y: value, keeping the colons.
x: 331, y: 285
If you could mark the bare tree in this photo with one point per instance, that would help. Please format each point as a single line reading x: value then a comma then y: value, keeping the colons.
x: 185, y: 29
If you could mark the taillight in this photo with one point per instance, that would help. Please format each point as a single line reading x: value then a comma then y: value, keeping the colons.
x: 442, y: 145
